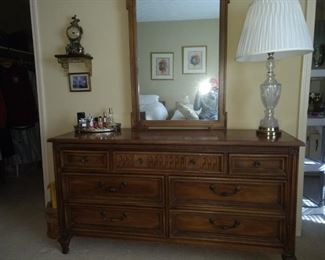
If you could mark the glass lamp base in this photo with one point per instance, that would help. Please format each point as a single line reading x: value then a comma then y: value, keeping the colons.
x: 268, y: 133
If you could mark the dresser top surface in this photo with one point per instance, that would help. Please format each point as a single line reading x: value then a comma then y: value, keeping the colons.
x: 184, y: 137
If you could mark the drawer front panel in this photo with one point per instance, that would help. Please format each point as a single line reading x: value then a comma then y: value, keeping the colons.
x: 117, y: 220
x: 232, y: 227
x: 257, y: 165
x: 115, y: 189
x: 77, y: 159
x: 211, y: 192
x: 180, y: 162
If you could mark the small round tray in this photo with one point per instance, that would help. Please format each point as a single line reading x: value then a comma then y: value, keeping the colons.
x: 116, y: 127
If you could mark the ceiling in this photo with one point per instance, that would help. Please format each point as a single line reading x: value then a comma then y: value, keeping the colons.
x: 176, y: 10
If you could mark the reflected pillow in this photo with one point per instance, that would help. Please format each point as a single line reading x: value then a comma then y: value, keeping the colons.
x: 148, y: 99
x: 154, y: 111
x: 187, y: 112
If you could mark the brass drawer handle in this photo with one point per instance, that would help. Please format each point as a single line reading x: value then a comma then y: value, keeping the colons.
x: 224, y: 227
x: 83, y: 160
x: 257, y: 164
x: 103, y: 188
x: 103, y: 214
x: 118, y: 219
x: 214, y: 189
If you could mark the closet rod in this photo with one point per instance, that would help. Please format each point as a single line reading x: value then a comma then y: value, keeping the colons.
x: 6, y: 52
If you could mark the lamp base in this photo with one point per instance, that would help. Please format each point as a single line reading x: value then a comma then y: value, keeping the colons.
x: 268, y: 133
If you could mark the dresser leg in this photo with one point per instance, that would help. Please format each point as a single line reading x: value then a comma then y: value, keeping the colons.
x: 64, y: 241
x: 288, y: 257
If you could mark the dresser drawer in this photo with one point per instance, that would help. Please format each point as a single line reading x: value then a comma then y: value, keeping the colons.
x: 117, y: 220
x: 212, y: 193
x: 78, y: 159
x: 114, y: 189
x: 160, y: 161
x: 246, y: 164
x: 227, y: 227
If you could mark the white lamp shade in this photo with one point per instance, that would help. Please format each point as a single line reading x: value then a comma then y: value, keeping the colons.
x: 273, y: 26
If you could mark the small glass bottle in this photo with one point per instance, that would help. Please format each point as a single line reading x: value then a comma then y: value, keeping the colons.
x: 105, y: 119
x: 90, y: 121
x: 100, y: 122
x: 110, y: 116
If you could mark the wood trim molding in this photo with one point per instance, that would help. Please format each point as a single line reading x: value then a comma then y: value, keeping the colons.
x: 46, y: 153
x: 303, y: 106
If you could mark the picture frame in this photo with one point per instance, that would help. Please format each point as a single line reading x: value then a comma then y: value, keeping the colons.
x: 194, y: 59
x: 162, y: 65
x: 79, y: 82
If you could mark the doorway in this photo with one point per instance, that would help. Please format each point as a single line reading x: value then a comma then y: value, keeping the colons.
x: 20, y: 148
x: 313, y: 209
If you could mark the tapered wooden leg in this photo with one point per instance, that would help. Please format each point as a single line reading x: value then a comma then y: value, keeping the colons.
x: 288, y: 257
x: 64, y: 241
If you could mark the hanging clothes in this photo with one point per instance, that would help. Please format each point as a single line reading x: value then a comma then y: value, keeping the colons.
x: 18, y: 93
x: 6, y: 146
x: 22, y: 114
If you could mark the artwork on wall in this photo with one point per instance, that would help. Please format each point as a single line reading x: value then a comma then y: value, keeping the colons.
x: 194, y: 59
x: 162, y: 65
x: 79, y: 82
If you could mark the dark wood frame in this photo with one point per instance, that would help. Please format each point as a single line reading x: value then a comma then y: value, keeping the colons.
x: 72, y: 89
x: 136, y: 121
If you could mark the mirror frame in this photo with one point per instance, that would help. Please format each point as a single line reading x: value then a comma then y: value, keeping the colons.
x: 136, y: 121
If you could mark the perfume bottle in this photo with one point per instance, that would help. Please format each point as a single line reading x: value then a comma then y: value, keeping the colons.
x: 105, y: 119
x: 110, y: 118
x: 90, y: 121
x: 100, y: 122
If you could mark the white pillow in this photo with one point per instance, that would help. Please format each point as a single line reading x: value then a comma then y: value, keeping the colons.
x: 154, y: 111
x: 178, y: 115
x: 187, y: 112
x: 148, y: 99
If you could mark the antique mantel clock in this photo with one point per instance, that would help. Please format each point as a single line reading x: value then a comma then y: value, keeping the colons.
x: 74, y: 50
x: 74, y: 33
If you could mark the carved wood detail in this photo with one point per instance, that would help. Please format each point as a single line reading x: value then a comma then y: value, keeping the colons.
x: 168, y: 162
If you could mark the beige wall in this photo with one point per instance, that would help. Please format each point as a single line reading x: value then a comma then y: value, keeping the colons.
x: 105, y: 24
x: 106, y: 39
x: 171, y: 37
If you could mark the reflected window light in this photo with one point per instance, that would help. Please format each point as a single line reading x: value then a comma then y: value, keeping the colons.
x: 319, y: 219
x: 309, y: 162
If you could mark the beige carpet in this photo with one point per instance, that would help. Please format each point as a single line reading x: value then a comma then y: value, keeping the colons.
x: 23, y: 234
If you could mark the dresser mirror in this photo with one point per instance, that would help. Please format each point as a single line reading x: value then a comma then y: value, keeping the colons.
x: 178, y: 62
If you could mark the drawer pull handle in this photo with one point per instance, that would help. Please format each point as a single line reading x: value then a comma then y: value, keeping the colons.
x: 103, y: 214
x: 224, y: 227
x: 214, y: 189
x: 257, y: 164
x: 102, y: 187
x: 118, y: 219
x: 83, y: 160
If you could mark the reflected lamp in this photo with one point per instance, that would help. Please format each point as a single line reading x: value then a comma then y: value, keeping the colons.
x: 273, y: 29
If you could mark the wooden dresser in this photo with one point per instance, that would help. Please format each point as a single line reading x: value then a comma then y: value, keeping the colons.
x: 218, y: 187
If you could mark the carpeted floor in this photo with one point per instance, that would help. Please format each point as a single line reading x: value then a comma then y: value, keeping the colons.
x: 23, y: 234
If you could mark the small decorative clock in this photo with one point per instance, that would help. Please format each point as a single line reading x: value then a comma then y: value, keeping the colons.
x: 74, y: 33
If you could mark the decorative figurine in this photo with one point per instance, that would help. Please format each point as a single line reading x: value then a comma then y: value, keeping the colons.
x: 74, y: 33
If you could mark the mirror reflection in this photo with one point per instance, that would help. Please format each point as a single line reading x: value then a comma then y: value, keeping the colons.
x: 177, y: 59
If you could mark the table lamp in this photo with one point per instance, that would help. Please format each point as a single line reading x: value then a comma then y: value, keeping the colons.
x: 273, y: 29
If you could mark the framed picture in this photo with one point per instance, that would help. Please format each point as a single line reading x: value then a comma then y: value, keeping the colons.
x: 194, y: 59
x: 162, y: 65
x: 79, y: 82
